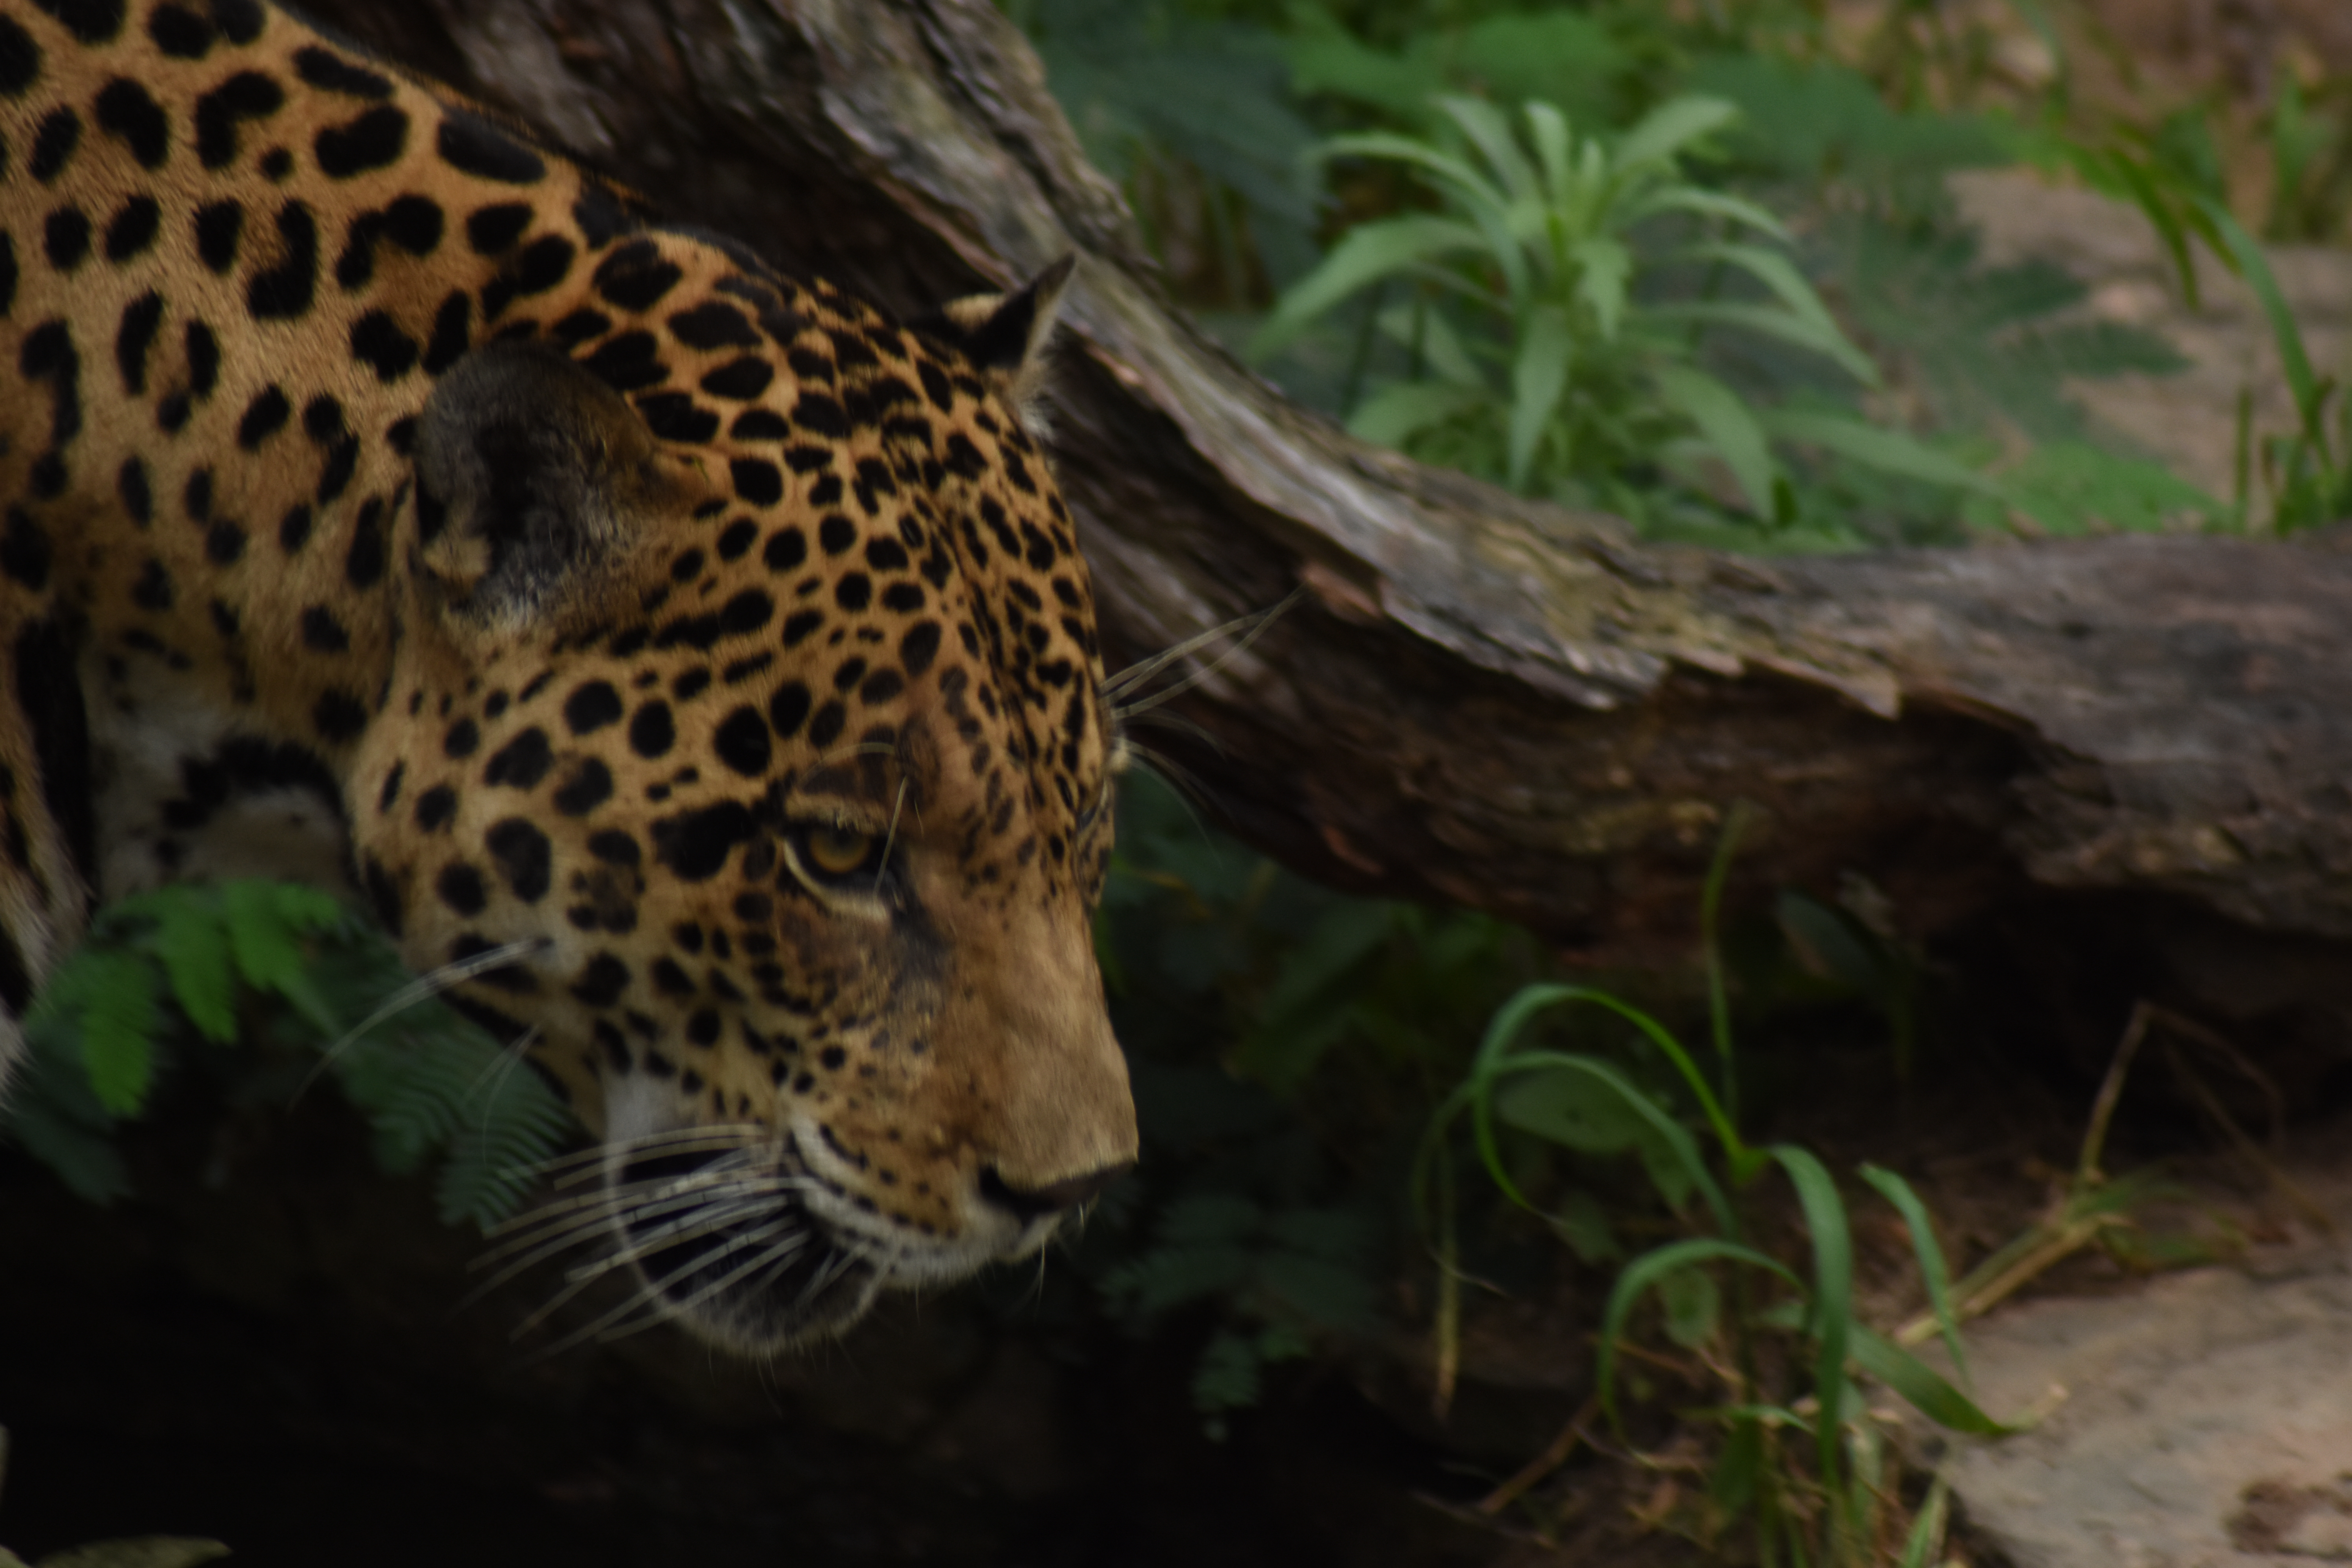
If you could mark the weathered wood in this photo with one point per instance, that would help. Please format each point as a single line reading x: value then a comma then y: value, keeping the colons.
x: 1479, y: 699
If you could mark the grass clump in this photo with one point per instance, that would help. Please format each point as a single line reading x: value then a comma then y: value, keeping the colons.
x: 1801, y: 1472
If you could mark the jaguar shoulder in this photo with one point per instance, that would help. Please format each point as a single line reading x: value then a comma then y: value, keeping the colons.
x: 699, y: 662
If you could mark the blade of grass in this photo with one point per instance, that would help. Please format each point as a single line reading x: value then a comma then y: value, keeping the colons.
x: 1927, y: 1537
x: 1736, y: 823
x: 2256, y: 267
x: 1933, y: 1269
x: 1833, y: 1243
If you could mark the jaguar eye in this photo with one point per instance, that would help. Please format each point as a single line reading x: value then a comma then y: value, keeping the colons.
x: 837, y: 851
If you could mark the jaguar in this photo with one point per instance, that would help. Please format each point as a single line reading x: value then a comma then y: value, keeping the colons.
x: 694, y: 668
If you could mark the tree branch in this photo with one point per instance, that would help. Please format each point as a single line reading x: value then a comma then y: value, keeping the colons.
x: 1479, y: 699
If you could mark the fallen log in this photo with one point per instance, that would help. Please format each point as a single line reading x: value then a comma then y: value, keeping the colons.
x: 1478, y: 699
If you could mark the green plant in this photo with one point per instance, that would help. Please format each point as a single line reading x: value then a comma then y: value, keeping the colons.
x: 1546, y: 342
x: 1825, y: 1498
x: 2173, y: 178
x: 1283, y: 1040
x: 2308, y: 471
x: 1279, y: 1277
x: 167, y: 980
x: 1534, y: 354
x: 1679, y: 411
x: 2311, y: 162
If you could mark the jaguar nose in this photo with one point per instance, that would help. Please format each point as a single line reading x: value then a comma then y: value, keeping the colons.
x: 1035, y: 1202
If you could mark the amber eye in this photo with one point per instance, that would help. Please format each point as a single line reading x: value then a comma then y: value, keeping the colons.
x: 836, y: 851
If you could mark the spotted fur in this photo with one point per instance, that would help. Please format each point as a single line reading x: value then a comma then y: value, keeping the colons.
x: 381, y: 495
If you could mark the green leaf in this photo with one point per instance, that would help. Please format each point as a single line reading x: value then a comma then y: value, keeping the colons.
x: 1171, y: 1277
x: 1728, y: 426
x: 2136, y: 182
x: 1926, y: 1536
x: 1462, y: 180
x: 506, y: 1125
x: 79, y: 1149
x: 2069, y: 486
x: 1664, y: 132
x: 1369, y: 253
x: 1537, y: 378
x: 117, y: 1017
x: 1494, y: 1058
x: 1490, y: 133
x: 1779, y: 275
x: 1826, y: 944
x: 1315, y: 989
x: 266, y: 923
x: 1226, y: 1377
x: 1603, y: 270
x: 1573, y: 1109
x: 1694, y: 1307
x: 1593, y: 1115
x: 1766, y: 321
x: 1670, y: 1155
x: 1394, y: 414
x: 194, y: 947
x: 1933, y: 1272
x: 1548, y: 129
x: 1420, y: 328
x: 1891, y: 451
x: 1701, y: 203
x: 1833, y: 1324
x: 1922, y: 1388
x: 2256, y: 267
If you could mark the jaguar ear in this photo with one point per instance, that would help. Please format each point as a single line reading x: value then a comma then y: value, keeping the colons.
x: 1004, y: 335
x: 532, y: 476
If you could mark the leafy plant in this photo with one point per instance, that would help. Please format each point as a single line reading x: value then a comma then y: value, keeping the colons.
x: 1273, y: 1030
x: 1827, y: 1505
x: 2173, y: 178
x: 166, y: 978
x: 1279, y: 1277
x: 1542, y: 347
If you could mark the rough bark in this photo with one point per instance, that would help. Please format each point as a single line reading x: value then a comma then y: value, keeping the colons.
x: 1478, y: 699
